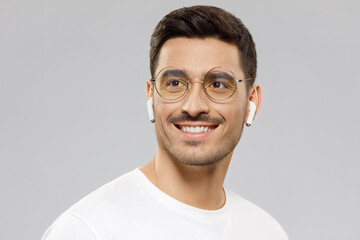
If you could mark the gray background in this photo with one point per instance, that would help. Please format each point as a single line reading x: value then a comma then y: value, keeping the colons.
x: 73, y: 109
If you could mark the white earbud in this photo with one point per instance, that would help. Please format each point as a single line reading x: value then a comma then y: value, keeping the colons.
x: 252, y: 110
x: 150, y: 109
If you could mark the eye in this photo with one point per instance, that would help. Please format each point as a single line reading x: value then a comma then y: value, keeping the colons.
x: 219, y: 84
x: 174, y: 83
x: 219, y: 80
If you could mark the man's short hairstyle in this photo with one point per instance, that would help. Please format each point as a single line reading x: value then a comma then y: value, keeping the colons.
x: 203, y: 22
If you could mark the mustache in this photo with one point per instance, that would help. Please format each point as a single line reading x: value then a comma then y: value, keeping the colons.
x: 200, y: 117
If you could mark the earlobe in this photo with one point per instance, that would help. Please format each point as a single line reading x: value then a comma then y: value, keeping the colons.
x: 149, y: 89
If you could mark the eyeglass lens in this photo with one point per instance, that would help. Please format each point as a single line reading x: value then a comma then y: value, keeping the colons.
x: 219, y: 83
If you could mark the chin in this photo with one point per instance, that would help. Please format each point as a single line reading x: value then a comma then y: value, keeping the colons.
x: 201, y: 158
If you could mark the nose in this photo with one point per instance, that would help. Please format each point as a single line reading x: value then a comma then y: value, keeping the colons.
x: 196, y: 101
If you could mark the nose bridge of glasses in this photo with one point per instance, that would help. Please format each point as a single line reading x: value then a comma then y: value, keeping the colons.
x: 194, y: 80
x: 191, y: 85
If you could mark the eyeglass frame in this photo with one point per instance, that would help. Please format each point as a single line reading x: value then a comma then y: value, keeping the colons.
x: 199, y: 80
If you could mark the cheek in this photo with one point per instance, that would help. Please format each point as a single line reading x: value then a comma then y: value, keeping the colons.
x: 232, y: 111
x: 240, y: 100
x: 163, y: 110
x: 233, y: 115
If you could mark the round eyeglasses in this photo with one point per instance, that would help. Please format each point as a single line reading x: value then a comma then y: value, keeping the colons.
x: 219, y: 83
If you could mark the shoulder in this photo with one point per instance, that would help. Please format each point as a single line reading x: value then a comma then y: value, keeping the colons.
x: 255, y: 218
x: 111, y: 196
x: 86, y: 218
x: 69, y: 227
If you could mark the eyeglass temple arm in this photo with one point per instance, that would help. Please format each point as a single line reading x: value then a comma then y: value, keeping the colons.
x: 243, y: 80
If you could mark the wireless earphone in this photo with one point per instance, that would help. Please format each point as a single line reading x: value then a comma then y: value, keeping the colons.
x: 252, y: 110
x: 150, y: 109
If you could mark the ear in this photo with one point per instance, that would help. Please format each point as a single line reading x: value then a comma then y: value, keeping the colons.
x: 149, y: 89
x: 255, y: 95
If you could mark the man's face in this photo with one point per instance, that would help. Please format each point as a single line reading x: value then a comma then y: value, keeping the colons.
x: 222, y: 121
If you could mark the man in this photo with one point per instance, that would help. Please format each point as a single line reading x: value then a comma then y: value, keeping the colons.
x: 203, y: 66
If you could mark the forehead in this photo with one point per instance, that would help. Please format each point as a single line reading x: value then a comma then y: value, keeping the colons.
x: 196, y: 56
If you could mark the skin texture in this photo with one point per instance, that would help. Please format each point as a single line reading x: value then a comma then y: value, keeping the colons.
x: 197, y: 163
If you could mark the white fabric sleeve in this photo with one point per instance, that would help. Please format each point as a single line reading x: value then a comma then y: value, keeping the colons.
x: 69, y: 227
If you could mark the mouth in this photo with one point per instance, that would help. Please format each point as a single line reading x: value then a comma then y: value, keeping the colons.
x: 195, y: 128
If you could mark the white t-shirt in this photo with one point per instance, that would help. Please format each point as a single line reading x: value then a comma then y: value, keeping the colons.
x: 131, y: 207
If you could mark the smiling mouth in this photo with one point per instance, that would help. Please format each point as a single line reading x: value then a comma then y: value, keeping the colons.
x: 195, y: 129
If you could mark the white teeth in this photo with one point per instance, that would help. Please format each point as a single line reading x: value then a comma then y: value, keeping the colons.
x: 196, y: 129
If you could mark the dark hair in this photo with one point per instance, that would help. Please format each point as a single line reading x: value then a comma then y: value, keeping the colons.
x: 202, y: 22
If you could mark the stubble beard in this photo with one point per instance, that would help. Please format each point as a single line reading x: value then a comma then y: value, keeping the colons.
x: 191, y: 153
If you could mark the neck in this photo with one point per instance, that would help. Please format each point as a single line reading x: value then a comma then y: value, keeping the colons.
x: 197, y: 186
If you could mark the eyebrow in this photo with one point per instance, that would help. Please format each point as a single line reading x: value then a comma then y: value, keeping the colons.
x: 220, y: 75
x: 175, y: 73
